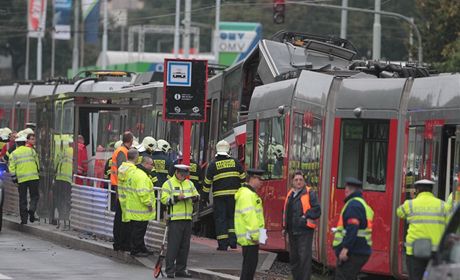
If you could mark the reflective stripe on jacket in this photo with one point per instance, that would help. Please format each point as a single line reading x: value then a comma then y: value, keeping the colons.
x: 65, y: 165
x: 23, y: 164
x: 124, y: 171
x: 178, y: 209
x: 114, y: 167
x: 426, y: 216
x: 139, y: 196
x: 249, y: 215
x: 365, y: 233
x: 305, y: 200
x: 225, y: 174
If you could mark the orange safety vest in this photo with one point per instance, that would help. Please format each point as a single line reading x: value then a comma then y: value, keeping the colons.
x: 305, y: 200
x: 114, y: 167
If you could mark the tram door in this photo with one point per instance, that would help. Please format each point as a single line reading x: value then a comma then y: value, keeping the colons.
x: 365, y: 149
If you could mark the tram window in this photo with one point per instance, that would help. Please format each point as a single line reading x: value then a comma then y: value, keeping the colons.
x: 305, y: 149
x: 57, y: 119
x: 363, y: 152
x: 68, y: 120
x: 249, y: 152
x: 271, y: 147
x: 231, y: 100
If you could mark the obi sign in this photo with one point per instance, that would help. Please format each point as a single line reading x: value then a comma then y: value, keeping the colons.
x: 237, y: 40
x: 185, y: 90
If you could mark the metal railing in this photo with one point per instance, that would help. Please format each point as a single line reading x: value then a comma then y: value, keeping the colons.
x: 91, y: 210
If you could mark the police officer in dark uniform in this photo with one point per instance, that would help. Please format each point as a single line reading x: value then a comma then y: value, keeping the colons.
x: 353, y: 234
x: 225, y: 175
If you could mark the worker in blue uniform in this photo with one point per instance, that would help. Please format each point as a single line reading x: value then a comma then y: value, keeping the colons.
x: 353, y: 234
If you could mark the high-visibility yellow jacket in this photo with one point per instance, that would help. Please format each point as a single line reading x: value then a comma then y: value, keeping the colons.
x: 124, y: 171
x: 178, y: 209
x: 23, y: 164
x: 426, y: 216
x: 249, y: 215
x: 64, y: 168
x: 139, y: 196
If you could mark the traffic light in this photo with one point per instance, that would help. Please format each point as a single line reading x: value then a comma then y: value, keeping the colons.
x: 278, y: 11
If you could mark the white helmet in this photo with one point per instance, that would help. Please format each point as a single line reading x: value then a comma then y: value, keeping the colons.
x: 278, y: 151
x: 7, y: 131
x: 149, y: 143
x: 27, y: 131
x: 21, y: 138
x: 3, y: 136
x: 118, y: 144
x: 163, y: 145
x: 222, y: 148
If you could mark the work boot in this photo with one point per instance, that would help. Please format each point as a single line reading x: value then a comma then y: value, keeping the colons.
x: 32, y: 217
x: 221, y: 248
x: 183, y: 274
x: 139, y: 254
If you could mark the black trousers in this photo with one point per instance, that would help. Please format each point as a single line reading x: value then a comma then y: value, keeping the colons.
x: 415, y: 267
x: 250, y: 260
x: 350, y: 269
x: 300, y: 255
x: 121, y: 231
x: 138, y: 229
x: 61, y: 199
x: 224, y: 215
x: 179, y: 234
x: 32, y: 186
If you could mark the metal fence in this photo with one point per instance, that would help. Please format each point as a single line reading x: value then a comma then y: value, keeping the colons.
x: 90, y: 208
x: 91, y: 211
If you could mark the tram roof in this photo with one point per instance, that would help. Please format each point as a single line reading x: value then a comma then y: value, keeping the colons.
x: 95, y: 95
x: 440, y: 91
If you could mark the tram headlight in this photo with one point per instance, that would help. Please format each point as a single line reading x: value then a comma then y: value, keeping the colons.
x: 357, y: 112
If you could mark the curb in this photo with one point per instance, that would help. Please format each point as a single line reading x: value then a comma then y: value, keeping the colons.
x: 75, y: 242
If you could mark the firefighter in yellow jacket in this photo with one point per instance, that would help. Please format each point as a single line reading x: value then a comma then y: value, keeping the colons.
x: 249, y: 222
x: 24, y: 168
x: 179, y: 193
x: 140, y: 204
x: 426, y: 216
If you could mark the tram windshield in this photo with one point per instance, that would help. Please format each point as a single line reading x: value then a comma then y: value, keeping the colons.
x: 363, y: 153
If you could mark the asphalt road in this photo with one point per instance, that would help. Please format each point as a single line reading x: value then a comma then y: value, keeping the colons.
x: 24, y: 256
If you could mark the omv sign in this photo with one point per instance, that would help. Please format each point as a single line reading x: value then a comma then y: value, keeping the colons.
x: 236, y: 41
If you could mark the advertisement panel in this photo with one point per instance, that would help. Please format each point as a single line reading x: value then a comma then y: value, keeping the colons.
x: 185, y: 90
x: 61, y: 21
x: 36, y: 18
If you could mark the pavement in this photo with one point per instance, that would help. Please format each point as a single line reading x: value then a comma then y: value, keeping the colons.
x: 204, y: 261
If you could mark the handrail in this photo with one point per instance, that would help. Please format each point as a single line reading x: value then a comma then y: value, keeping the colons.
x: 110, y: 190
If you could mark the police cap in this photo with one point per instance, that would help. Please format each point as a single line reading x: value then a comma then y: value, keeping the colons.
x: 353, y: 182
x: 255, y: 172
x: 424, y: 183
x: 182, y: 167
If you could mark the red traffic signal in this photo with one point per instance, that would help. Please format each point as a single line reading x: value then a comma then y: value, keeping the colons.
x: 278, y: 11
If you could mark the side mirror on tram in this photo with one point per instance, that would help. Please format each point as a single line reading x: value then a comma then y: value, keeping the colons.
x: 422, y: 248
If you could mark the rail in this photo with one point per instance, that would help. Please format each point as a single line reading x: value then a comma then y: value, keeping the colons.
x: 92, y: 210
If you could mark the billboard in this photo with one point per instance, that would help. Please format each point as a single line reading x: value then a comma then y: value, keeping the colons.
x: 36, y: 18
x: 185, y: 89
x: 61, y: 20
x: 237, y: 40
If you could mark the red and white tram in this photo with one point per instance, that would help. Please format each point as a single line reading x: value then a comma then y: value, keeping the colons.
x: 386, y: 132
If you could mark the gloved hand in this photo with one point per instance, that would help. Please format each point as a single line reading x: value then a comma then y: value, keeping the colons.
x: 15, y: 180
